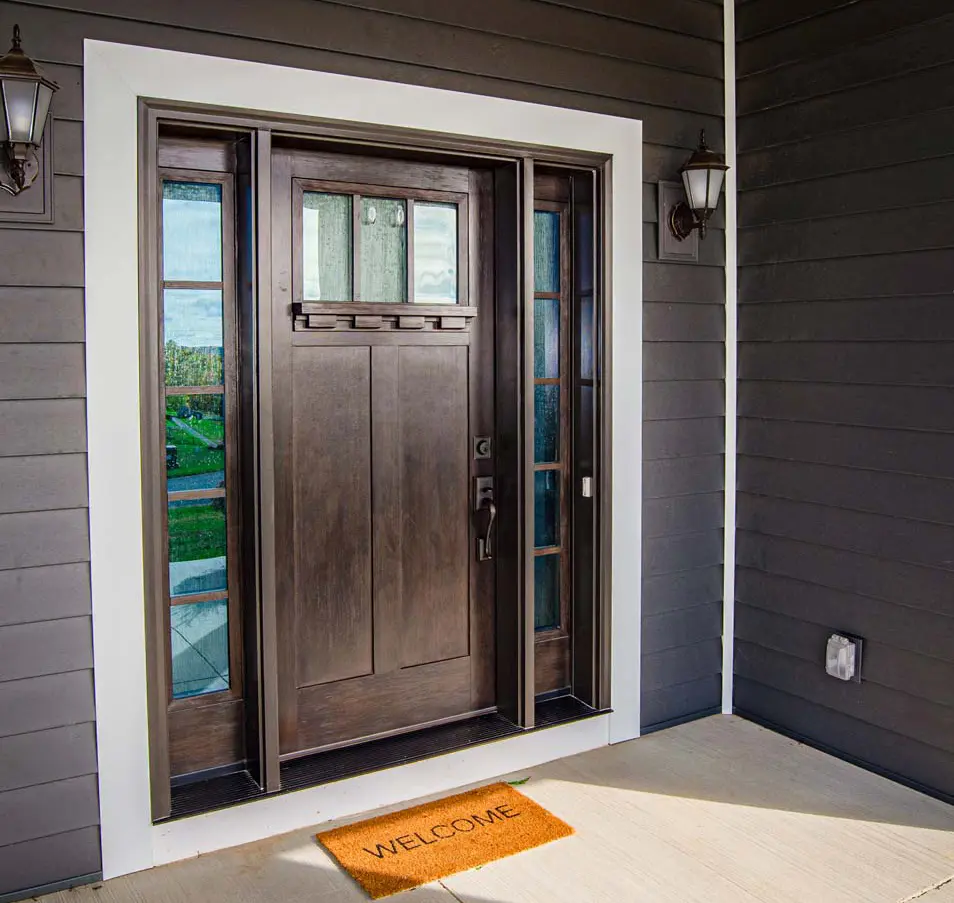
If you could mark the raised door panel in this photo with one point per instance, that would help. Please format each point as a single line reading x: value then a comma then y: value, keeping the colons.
x: 436, y: 517
x: 331, y: 448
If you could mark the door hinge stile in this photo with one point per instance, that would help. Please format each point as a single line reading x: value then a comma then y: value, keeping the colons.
x: 587, y: 488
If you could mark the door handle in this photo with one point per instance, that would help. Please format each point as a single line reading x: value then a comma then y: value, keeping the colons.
x: 484, y: 548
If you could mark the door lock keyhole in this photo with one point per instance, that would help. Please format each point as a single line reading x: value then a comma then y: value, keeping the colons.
x: 483, y: 447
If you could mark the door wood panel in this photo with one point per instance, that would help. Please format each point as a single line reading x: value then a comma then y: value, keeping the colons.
x: 332, y: 518
x: 352, y: 710
x: 435, y: 489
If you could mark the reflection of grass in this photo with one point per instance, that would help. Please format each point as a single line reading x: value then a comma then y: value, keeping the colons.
x: 194, y: 460
x: 196, y: 532
x: 192, y: 455
x: 211, y: 429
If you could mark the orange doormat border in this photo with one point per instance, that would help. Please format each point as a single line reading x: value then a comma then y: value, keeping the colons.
x: 405, y: 849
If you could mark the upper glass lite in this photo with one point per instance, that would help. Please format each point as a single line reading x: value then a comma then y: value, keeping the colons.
x: 383, y: 247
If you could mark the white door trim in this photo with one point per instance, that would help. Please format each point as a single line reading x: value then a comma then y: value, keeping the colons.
x: 731, y: 362
x: 115, y: 77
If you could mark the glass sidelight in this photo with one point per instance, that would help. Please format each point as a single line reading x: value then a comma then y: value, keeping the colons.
x: 379, y: 249
x: 197, y: 414
x: 550, y: 403
x: 195, y: 445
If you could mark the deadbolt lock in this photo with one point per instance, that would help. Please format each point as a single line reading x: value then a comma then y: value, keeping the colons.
x: 483, y: 447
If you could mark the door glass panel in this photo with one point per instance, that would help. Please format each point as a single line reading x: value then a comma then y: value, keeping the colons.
x: 383, y: 250
x: 195, y: 442
x: 546, y: 508
x: 546, y: 424
x: 326, y: 246
x: 546, y: 338
x: 200, y: 648
x: 192, y: 323
x: 435, y: 253
x: 546, y: 592
x: 191, y: 232
x: 197, y: 547
x: 546, y: 251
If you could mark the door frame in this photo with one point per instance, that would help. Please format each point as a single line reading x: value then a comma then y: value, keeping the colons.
x: 116, y: 79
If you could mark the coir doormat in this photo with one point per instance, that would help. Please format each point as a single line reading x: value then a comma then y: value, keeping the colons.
x: 399, y: 851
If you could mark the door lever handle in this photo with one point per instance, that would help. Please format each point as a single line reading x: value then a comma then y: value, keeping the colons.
x: 484, y: 547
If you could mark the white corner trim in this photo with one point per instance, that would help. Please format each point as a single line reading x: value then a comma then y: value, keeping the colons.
x: 115, y: 77
x: 731, y: 361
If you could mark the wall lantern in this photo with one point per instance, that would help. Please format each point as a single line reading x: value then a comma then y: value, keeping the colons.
x: 702, y: 177
x: 25, y: 93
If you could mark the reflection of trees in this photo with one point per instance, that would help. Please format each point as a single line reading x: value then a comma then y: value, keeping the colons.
x: 193, y: 366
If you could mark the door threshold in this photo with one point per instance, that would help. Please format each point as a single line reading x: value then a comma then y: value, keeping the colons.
x: 374, y: 755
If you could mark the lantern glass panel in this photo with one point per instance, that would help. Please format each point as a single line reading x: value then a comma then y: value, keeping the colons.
x: 695, y: 182
x: 44, y: 94
x: 716, y: 177
x: 19, y: 105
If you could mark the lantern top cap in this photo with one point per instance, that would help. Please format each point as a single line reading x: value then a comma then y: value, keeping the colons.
x: 703, y: 157
x: 16, y: 64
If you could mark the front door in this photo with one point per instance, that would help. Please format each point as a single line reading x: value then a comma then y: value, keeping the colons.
x: 382, y: 365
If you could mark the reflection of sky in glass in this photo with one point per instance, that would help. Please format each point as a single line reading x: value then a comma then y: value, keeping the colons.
x: 435, y: 253
x: 191, y: 232
x: 326, y: 251
x: 193, y: 317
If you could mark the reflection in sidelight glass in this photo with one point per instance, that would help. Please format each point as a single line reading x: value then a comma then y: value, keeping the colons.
x: 546, y: 508
x: 192, y: 326
x: 197, y: 547
x: 191, y: 232
x: 195, y: 442
x: 546, y: 251
x: 435, y: 253
x: 546, y: 424
x: 546, y: 592
x: 546, y: 338
x: 383, y: 250
x: 326, y: 246
x: 200, y: 648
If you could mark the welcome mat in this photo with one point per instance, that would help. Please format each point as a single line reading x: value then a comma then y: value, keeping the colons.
x: 399, y: 851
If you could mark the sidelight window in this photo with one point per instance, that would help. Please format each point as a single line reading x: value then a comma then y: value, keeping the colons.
x: 196, y: 416
x: 550, y: 402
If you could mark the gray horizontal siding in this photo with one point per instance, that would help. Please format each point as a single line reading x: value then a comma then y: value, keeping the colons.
x: 41, y: 703
x: 46, y: 860
x: 846, y: 431
x: 44, y: 756
x: 31, y: 813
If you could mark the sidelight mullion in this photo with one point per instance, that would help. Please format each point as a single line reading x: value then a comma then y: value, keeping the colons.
x: 195, y: 390
x: 194, y: 598
x: 356, y: 247
x: 409, y: 248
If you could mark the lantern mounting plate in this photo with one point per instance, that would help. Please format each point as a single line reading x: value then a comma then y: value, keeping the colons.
x: 671, y: 203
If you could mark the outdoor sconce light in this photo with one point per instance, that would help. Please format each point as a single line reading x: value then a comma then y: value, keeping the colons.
x: 702, y: 177
x: 25, y: 93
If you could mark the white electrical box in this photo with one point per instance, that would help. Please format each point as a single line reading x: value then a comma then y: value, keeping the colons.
x: 843, y: 657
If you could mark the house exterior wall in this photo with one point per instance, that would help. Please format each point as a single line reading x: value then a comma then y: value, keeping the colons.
x: 845, y: 432
x: 658, y: 61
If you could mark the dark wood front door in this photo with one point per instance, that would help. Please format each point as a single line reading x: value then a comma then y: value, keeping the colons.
x: 382, y: 365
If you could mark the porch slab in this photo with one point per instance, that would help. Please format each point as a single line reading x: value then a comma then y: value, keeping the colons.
x: 716, y: 811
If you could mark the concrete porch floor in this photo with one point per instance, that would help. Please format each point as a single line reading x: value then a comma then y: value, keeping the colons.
x: 712, y: 811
